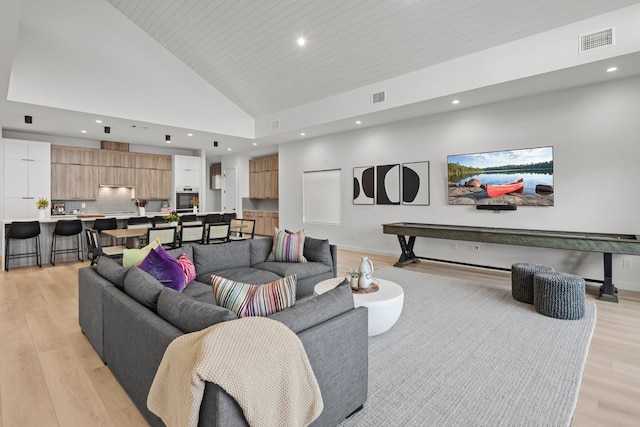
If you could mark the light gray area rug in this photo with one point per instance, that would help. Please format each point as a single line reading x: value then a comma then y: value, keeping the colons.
x: 468, y: 354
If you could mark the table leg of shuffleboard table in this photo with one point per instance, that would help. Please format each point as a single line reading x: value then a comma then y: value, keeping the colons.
x: 608, y: 291
x: 407, y: 256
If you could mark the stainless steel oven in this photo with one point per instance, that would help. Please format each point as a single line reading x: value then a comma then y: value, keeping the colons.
x: 184, y: 196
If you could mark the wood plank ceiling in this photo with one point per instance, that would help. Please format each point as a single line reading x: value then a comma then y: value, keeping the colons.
x: 247, y: 49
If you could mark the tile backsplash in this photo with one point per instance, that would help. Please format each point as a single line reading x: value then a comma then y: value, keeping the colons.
x: 110, y: 201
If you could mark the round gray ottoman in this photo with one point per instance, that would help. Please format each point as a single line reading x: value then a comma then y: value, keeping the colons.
x: 559, y: 295
x: 522, y: 280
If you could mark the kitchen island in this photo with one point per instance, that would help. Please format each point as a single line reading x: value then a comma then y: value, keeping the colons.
x: 47, y: 226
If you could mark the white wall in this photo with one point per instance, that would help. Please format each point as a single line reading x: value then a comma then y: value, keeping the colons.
x: 595, y: 134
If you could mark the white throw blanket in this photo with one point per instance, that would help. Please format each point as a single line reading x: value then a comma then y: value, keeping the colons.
x: 258, y: 361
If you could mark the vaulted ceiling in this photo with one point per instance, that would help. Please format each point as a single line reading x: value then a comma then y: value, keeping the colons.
x: 247, y: 49
x: 229, y: 70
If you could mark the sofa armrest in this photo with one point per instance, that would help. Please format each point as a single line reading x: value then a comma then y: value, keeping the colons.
x: 334, y: 258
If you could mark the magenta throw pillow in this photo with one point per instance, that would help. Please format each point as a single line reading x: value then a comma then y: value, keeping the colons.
x: 164, y: 268
x: 188, y: 268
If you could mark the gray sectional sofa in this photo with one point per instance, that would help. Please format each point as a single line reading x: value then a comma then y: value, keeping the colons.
x: 130, y: 319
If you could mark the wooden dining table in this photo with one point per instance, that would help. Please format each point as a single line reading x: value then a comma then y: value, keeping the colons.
x: 132, y: 235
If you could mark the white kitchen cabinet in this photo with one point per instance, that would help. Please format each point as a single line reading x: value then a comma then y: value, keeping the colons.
x: 187, y: 171
x: 27, y: 177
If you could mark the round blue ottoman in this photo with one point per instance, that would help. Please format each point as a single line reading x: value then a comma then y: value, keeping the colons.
x: 522, y: 280
x: 559, y: 295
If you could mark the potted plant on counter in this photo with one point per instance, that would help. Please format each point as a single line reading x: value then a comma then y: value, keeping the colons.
x: 140, y: 204
x: 172, y: 218
x: 195, y: 202
x: 42, y: 204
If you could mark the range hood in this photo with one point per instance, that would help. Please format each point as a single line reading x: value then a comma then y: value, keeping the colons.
x: 116, y: 186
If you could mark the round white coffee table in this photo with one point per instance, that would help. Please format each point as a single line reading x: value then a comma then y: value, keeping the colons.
x: 384, y: 306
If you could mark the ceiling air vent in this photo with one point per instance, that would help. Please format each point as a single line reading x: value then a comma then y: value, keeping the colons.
x: 597, y: 40
x: 378, y: 97
x: 275, y: 125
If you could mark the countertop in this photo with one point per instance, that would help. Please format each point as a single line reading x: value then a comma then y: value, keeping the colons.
x: 123, y: 215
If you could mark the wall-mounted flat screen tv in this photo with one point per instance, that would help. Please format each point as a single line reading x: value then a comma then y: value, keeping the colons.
x: 522, y: 177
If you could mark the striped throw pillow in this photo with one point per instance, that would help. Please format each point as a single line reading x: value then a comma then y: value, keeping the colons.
x: 287, y: 247
x: 254, y: 300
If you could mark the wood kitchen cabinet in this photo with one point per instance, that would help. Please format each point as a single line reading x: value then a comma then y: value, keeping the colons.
x: 77, y: 173
x: 152, y: 161
x: 263, y: 178
x: 74, y: 182
x: 266, y: 221
x: 75, y: 155
x: 116, y: 176
x: 152, y: 184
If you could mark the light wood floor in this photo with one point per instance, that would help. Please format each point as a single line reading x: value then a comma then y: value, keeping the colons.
x: 50, y: 375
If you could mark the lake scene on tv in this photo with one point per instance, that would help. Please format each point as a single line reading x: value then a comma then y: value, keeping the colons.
x: 522, y: 177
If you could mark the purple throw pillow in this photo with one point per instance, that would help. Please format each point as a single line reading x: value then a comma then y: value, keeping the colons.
x: 164, y: 268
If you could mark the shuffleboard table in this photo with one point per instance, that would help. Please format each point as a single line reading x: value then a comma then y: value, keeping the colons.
x: 607, y: 244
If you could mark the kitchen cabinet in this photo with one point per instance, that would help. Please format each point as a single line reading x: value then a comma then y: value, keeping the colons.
x: 152, y: 161
x: 122, y: 159
x: 187, y: 171
x: 116, y: 176
x: 77, y: 173
x: 74, y: 182
x: 75, y: 155
x: 266, y: 221
x: 27, y: 177
x: 152, y: 184
x: 263, y: 178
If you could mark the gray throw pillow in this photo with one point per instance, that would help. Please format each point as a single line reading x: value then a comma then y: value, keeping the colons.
x: 317, y: 309
x: 189, y: 315
x: 317, y: 250
x: 143, y: 287
x: 112, y: 271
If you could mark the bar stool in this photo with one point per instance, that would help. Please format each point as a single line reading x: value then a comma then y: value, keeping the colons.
x: 104, y: 224
x: 22, y: 230
x: 67, y: 228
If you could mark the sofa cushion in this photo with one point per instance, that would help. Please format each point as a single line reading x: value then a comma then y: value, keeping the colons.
x: 200, y: 291
x: 189, y: 315
x: 317, y: 250
x: 187, y: 250
x: 243, y: 274
x: 287, y: 247
x: 142, y: 287
x: 165, y: 268
x: 260, y: 249
x: 209, y: 258
x: 131, y: 257
x: 317, y: 309
x: 112, y: 271
x: 254, y: 300
x: 302, y: 270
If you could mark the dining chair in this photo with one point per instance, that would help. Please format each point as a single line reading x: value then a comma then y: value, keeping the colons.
x: 100, y: 224
x: 192, y: 234
x: 218, y: 233
x: 166, y: 235
x: 95, y: 249
x: 246, y: 230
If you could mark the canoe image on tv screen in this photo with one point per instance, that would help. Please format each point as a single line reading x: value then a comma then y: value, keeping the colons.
x: 522, y: 177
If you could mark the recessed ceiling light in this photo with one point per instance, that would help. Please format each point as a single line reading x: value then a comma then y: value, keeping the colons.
x: 228, y: 149
x: 98, y: 121
x: 255, y: 143
x: 189, y: 134
x: 302, y: 134
x: 455, y: 101
x: 612, y: 69
x: 358, y: 122
x: 83, y: 131
x: 301, y: 41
